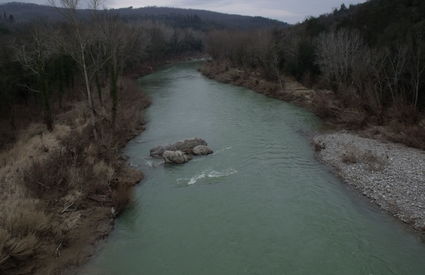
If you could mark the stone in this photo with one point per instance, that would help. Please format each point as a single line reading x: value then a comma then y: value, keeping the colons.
x: 157, y: 152
x: 202, y: 150
x: 186, y: 146
x: 176, y: 157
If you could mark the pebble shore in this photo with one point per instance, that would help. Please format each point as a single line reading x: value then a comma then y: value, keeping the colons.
x: 391, y: 175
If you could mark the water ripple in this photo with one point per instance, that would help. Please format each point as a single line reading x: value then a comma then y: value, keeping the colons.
x: 205, y: 175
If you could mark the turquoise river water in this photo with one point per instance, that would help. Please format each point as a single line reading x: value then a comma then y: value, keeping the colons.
x: 261, y: 204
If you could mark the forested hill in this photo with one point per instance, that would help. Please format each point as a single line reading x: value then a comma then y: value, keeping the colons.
x: 371, y: 56
x: 381, y: 22
x: 182, y: 18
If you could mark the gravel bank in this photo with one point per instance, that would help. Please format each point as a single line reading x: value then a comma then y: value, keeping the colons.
x: 392, y: 175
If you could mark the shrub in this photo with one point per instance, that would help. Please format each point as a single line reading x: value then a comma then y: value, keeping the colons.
x: 353, y: 155
x: 23, y: 223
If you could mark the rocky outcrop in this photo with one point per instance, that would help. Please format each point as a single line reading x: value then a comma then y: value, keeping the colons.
x: 176, y: 157
x: 202, y: 150
x: 186, y: 146
x: 182, y: 151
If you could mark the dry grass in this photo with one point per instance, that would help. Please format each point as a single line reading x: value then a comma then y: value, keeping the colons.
x: 121, y: 197
x: 325, y: 105
x: 401, y: 123
x: 353, y: 155
x: 412, y: 135
x: 350, y: 157
x: 24, y: 228
x: 47, y: 180
x: 339, y: 111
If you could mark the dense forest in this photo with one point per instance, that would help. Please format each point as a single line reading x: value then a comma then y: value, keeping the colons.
x: 43, y: 72
x: 372, y: 55
x: 40, y: 63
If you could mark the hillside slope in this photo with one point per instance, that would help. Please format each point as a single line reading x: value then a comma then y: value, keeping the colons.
x: 381, y: 22
x: 197, y: 19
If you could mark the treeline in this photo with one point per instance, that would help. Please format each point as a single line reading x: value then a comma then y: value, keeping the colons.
x: 201, y: 20
x: 371, y: 55
x: 7, y: 18
x: 41, y: 64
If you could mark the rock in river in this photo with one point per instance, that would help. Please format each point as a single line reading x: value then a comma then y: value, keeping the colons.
x: 176, y: 157
x: 186, y: 146
x: 202, y: 150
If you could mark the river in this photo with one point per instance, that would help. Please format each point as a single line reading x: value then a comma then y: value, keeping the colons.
x: 261, y: 204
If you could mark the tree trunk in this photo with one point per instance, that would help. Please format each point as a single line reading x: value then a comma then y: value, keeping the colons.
x: 48, y: 118
x: 99, y: 89
x: 61, y: 83
x: 114, y: 95
x: 12, y: 120
x: 89, y: 97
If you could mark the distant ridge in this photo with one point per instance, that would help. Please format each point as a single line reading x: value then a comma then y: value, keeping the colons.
x: 197, y: 19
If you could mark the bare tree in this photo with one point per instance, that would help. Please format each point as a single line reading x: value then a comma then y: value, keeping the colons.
x: 338, y: 53
x: 417, y: 67
x: 78, y: 45
x: 395, y: 68
x: 35, y: 57
x: 7, y: 54
x: 270, y: 57
x: 120, y: 41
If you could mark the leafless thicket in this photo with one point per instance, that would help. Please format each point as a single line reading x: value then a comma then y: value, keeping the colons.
x: 389, y: 76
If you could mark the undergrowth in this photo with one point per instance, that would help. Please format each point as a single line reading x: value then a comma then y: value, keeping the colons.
x: 48, y: 180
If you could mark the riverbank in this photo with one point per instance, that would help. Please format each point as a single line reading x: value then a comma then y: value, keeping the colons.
x: 400, y: 125
x: 294, y: 92
x: 263, y: 169
x: 60, y: 191
x: 391, y: 175
x: 369, y: 156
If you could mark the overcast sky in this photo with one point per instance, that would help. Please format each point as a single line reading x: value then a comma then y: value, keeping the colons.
x: 290, y: 11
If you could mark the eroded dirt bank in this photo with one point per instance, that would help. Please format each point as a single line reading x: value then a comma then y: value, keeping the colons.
x: 60, y: 191
x: 365, y: 154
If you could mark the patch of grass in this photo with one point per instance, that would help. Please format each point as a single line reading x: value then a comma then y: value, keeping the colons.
x: 24, y: 227
x: 121, y: 197
x: 350, y: 157
x: 353, y: 155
